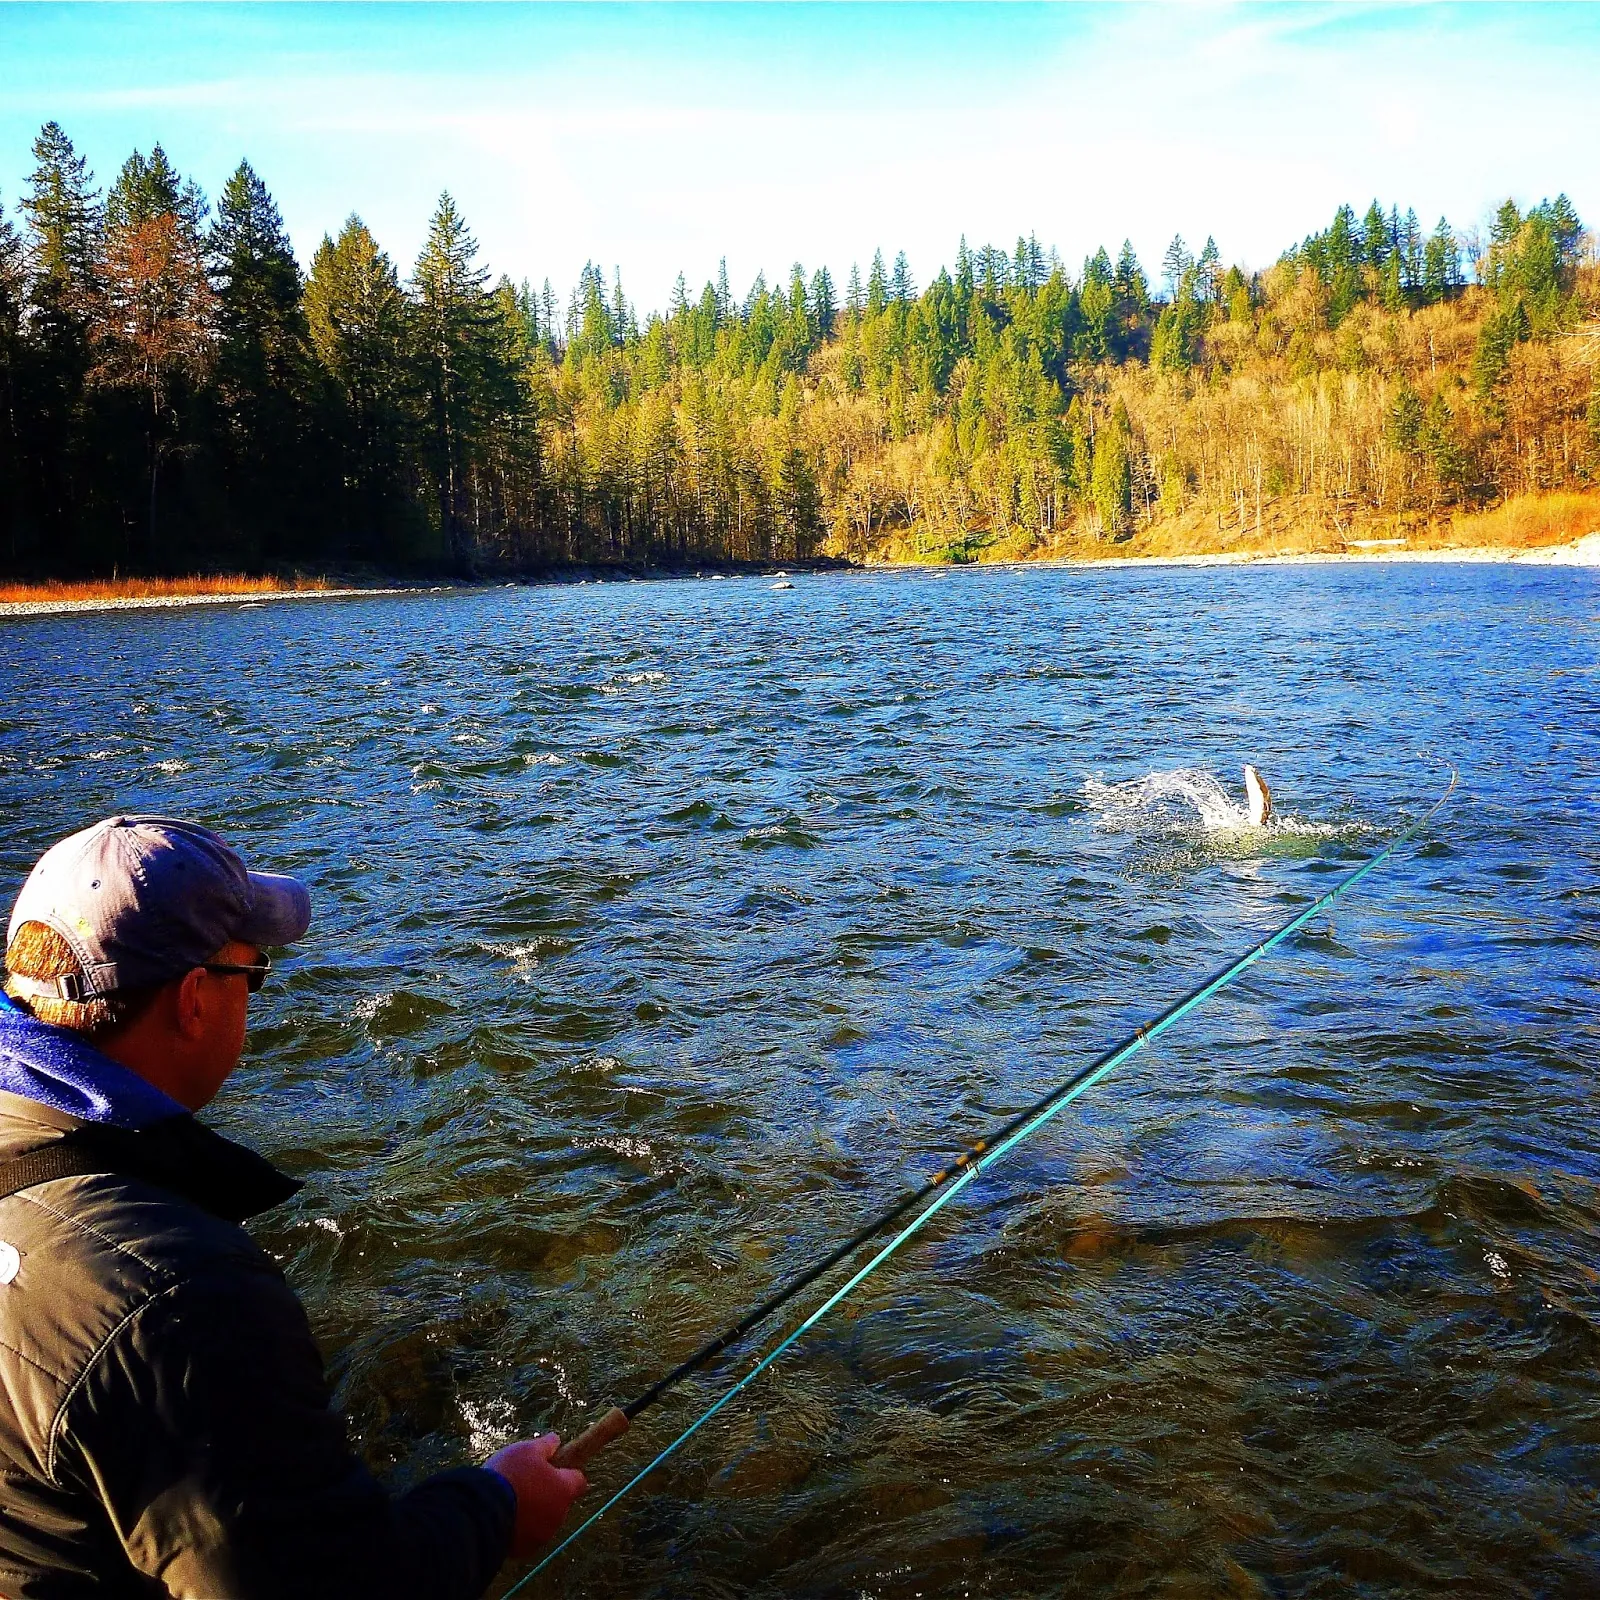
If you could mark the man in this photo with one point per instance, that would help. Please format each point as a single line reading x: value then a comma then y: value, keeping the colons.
x: 165, y: 1421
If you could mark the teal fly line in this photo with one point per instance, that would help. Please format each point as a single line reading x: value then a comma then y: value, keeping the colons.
x: 978, y: 1159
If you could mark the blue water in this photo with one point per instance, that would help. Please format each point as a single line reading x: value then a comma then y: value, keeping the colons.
x: 664, y: 930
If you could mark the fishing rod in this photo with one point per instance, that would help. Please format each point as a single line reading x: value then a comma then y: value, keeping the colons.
x: 972, y: 1161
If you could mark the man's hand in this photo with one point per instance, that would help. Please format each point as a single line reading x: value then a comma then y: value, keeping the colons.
x: 544, y: 1493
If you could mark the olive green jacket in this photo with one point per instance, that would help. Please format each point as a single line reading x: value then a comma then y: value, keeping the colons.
x: 166, y: 1426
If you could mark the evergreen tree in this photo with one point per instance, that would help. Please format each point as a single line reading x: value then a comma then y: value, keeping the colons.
x: 263, y: 368
x: 823, y: 303
x: 855, y: 301
x: 1374, y: 239
x: 1113, y: 474
x: 904, y: 286
x: 877, y: 287
x: 1403, y: 424
x: 61, y: 257
x: 13, y: 307
x: 1132, y: 301
x: 357, y: 318
x: 549, y: 318
x: 1437, y: 444
x: 466, y: 371
x: 963, y: 279
x: 1441, y: 264
x: 146, y: 189
x: 1565, y: 228
x: 1343, y: 265
x: 1174, y: 264
x: 64, y: 223
x: 153, y: 337
x: 1097, y: 302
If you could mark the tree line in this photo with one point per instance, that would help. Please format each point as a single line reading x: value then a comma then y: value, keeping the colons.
x: 175, y: 393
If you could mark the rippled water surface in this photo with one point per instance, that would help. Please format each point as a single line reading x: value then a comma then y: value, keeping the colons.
x: 666, y: 929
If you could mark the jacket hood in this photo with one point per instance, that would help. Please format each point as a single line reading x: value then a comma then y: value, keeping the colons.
x: 56, y: 1067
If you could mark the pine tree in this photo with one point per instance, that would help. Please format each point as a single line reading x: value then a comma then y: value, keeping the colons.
x: 1491, y: 359
x: 877, y: 287
x: 1403, y: 422
x: 154, y: 335
x: 1374, y: 239
x: 823, y: 303
x: 357, y: 317
x: 144, y: 190
x: 62, y: 250
x: 1132, y: 300
x: 904, y: 285
x: 1565, y: 227
x: 263, y: 365
x: 1097, y: 302
x: 1113, y: 474
x: 467, y: 375
x: 1343, y: 256
x: 1441, y: 264
x: 13, y: 308
x: 550, y: 319
x: 1436, y: 441
x: 64, y: 223
x: 1174, y: 264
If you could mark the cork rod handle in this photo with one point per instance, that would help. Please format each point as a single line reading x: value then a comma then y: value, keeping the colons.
x: 576, y: 1452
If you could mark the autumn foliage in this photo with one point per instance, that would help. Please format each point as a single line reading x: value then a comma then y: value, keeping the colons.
x: 175, y: 395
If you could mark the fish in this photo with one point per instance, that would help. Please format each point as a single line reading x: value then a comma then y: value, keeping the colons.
x: 1257, y: 796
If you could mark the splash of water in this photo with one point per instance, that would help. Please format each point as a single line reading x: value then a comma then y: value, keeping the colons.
x: 1182, y: 796
x: 1187, y: 800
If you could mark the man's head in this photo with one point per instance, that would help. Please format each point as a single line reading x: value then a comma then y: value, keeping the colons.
x: 132, y: 932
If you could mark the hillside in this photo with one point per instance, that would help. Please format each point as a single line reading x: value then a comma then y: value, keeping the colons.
x: 176, y: 395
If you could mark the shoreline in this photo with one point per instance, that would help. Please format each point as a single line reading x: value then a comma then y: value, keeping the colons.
x: 1584, y: 552
x: 44, y: 608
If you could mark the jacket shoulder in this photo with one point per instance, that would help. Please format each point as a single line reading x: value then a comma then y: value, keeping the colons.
x: 90, y: 1253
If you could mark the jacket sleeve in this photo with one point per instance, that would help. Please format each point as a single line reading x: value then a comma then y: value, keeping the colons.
x: 205, y: 1427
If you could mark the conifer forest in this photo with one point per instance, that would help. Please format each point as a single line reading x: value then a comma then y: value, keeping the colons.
x: 177, y: 395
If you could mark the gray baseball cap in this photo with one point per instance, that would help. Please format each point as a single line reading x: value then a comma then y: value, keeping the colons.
x: 142, y: 900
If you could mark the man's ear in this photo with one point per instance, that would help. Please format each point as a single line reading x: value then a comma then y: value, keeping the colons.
x: 188, y: 1003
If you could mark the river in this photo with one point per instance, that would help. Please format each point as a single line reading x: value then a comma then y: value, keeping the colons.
x: 666, y: 929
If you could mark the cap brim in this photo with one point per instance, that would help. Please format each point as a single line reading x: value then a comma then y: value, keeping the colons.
x: 280, y: 910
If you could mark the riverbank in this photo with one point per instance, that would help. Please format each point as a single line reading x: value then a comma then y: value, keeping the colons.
x: 57, y: 598
x: 1554, y: 528
x: 136, y: 594
x: 48, y: 603
x: 1584, y: 552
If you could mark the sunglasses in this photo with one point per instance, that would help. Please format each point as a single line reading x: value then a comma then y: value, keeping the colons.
x: 254, y: 975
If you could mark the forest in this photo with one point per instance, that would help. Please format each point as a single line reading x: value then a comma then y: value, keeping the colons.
x: 177, y: 395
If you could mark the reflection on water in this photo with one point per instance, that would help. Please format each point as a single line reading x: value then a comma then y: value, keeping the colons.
x: 666, y: 929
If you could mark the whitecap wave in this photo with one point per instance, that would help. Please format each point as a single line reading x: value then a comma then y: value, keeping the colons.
x: 631, y: 680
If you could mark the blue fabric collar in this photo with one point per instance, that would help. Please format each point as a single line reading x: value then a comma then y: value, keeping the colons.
x: 56, y: 1067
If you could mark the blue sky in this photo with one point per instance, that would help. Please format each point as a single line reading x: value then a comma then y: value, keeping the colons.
x: 661, y: 137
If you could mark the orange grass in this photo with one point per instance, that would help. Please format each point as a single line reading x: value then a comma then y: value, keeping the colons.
x: 154, y: 588
x: 1530, y: 522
